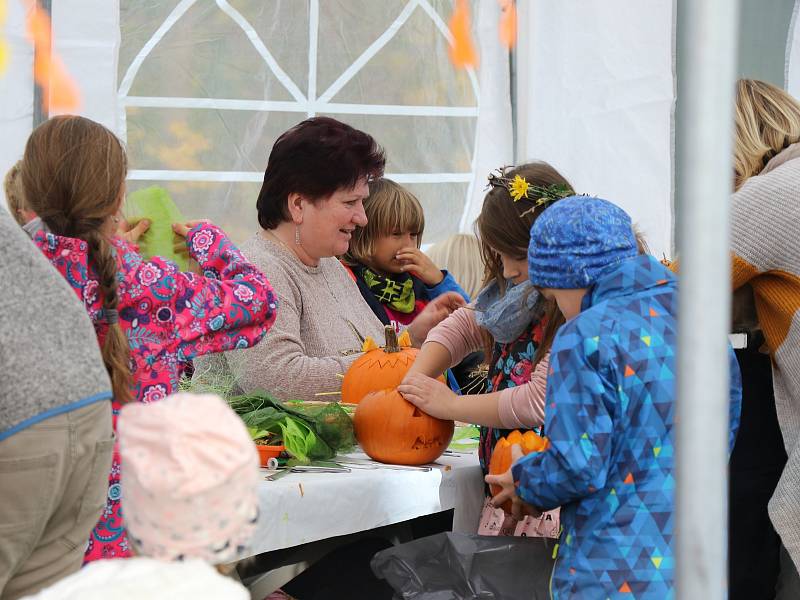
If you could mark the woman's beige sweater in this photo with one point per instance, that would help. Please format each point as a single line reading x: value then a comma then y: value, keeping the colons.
x: 313, y: 340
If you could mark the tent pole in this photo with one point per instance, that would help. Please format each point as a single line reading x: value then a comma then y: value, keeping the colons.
x: 40, y: 113
x: 707, y: 31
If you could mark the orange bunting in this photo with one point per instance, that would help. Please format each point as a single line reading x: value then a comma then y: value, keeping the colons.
x: 59, y: 91
x: 508, y: 23
x: 462, y: 49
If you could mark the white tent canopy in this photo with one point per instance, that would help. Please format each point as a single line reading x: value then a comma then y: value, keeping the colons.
x: 199, y: 89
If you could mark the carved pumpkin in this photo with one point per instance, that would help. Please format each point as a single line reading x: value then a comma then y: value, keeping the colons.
x: 379, y: 368
x: 501, y: 455
x: 392, y: 430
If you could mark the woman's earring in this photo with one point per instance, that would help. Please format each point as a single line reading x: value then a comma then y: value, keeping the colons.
x: 297, y: 235
x: 116, y: 219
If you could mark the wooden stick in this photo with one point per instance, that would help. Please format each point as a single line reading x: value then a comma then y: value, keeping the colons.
x: 326, y: 393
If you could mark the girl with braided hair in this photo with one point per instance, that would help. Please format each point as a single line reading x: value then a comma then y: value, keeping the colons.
x: 149, y: 317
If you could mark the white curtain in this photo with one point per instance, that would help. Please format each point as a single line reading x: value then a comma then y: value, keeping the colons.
x: 596, y: 96
x: 16, y: 90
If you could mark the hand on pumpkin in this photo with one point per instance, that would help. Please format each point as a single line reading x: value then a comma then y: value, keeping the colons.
x: 434, y: 313
x: 509, y: 489
x: 416, y: 261
x: 429, y: 395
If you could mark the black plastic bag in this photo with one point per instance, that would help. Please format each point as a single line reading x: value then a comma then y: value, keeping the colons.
x: 455, y: 566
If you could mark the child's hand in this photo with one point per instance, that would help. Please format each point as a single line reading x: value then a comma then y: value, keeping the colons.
x: 509, y: 489
x: 131, y: 234
x: 429, y: 395
x: 417, y: 261
x: 435, y: 312
x: 180, y: 246
x: 182, y: 229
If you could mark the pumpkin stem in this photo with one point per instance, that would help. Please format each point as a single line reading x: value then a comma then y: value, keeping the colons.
x: 391, y: 339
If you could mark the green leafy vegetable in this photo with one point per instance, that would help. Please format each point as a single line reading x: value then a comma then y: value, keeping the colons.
x: 465, y: 438
x: 257, y: 434
x: 330, y: 421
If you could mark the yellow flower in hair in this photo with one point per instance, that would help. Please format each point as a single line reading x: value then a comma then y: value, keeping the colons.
x: 519, y: 188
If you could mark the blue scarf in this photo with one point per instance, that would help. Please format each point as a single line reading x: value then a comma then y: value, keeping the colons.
x: 506, y: 317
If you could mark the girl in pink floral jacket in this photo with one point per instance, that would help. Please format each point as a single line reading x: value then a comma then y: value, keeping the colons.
x: 150, y: 318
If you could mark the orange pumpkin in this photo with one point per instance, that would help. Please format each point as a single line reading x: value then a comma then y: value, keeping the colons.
x: 380, y: 367
x: 392, y: 430
x: 501, y: 455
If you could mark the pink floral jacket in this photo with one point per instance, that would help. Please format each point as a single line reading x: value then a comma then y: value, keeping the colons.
x: 169, y: 317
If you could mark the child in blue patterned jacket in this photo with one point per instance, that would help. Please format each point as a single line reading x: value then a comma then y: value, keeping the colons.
x: 609, y: 406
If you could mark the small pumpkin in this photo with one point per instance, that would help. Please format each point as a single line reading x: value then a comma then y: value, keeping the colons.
x: 501, y: 455
x: 392, y: 430
x: 380, y: 367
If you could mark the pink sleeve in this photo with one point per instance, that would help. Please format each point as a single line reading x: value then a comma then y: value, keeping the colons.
x: 231, y: 305
x: 459, y: 333
x: 523, y: 406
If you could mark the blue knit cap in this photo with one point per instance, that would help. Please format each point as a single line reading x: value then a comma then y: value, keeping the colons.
x: 575, y: 240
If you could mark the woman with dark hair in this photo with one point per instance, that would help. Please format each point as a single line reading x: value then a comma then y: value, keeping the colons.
x: 317, y: 177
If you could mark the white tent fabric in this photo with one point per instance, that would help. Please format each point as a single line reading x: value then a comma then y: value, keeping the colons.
x: 205, y: 88
x: 199, y: 89
x: 86, y: 37
x: 596, y: 97
x: 16, y: 90
x: 792, y: 76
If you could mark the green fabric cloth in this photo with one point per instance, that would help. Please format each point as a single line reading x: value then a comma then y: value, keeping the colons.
x: 155, y: 204
x: 395, y: 292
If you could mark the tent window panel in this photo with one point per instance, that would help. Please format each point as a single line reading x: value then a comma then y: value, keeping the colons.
x: 420, y: 144
x: 202, y: 139
x: 138, y: 21
x: 206, y: 54
x: 413, y: 68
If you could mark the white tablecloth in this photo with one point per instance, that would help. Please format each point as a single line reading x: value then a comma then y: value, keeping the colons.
x: 305, y: 507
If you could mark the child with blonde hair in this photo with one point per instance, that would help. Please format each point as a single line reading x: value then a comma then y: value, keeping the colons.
x: 393, y: 275
x: 15, y: 196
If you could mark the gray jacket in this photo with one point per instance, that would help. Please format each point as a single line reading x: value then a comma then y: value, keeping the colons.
x: 49, y: 358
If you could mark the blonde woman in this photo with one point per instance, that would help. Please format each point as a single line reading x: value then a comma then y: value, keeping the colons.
x: 765, y: 212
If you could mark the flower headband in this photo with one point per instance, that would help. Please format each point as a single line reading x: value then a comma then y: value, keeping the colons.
x: 519, y: 188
